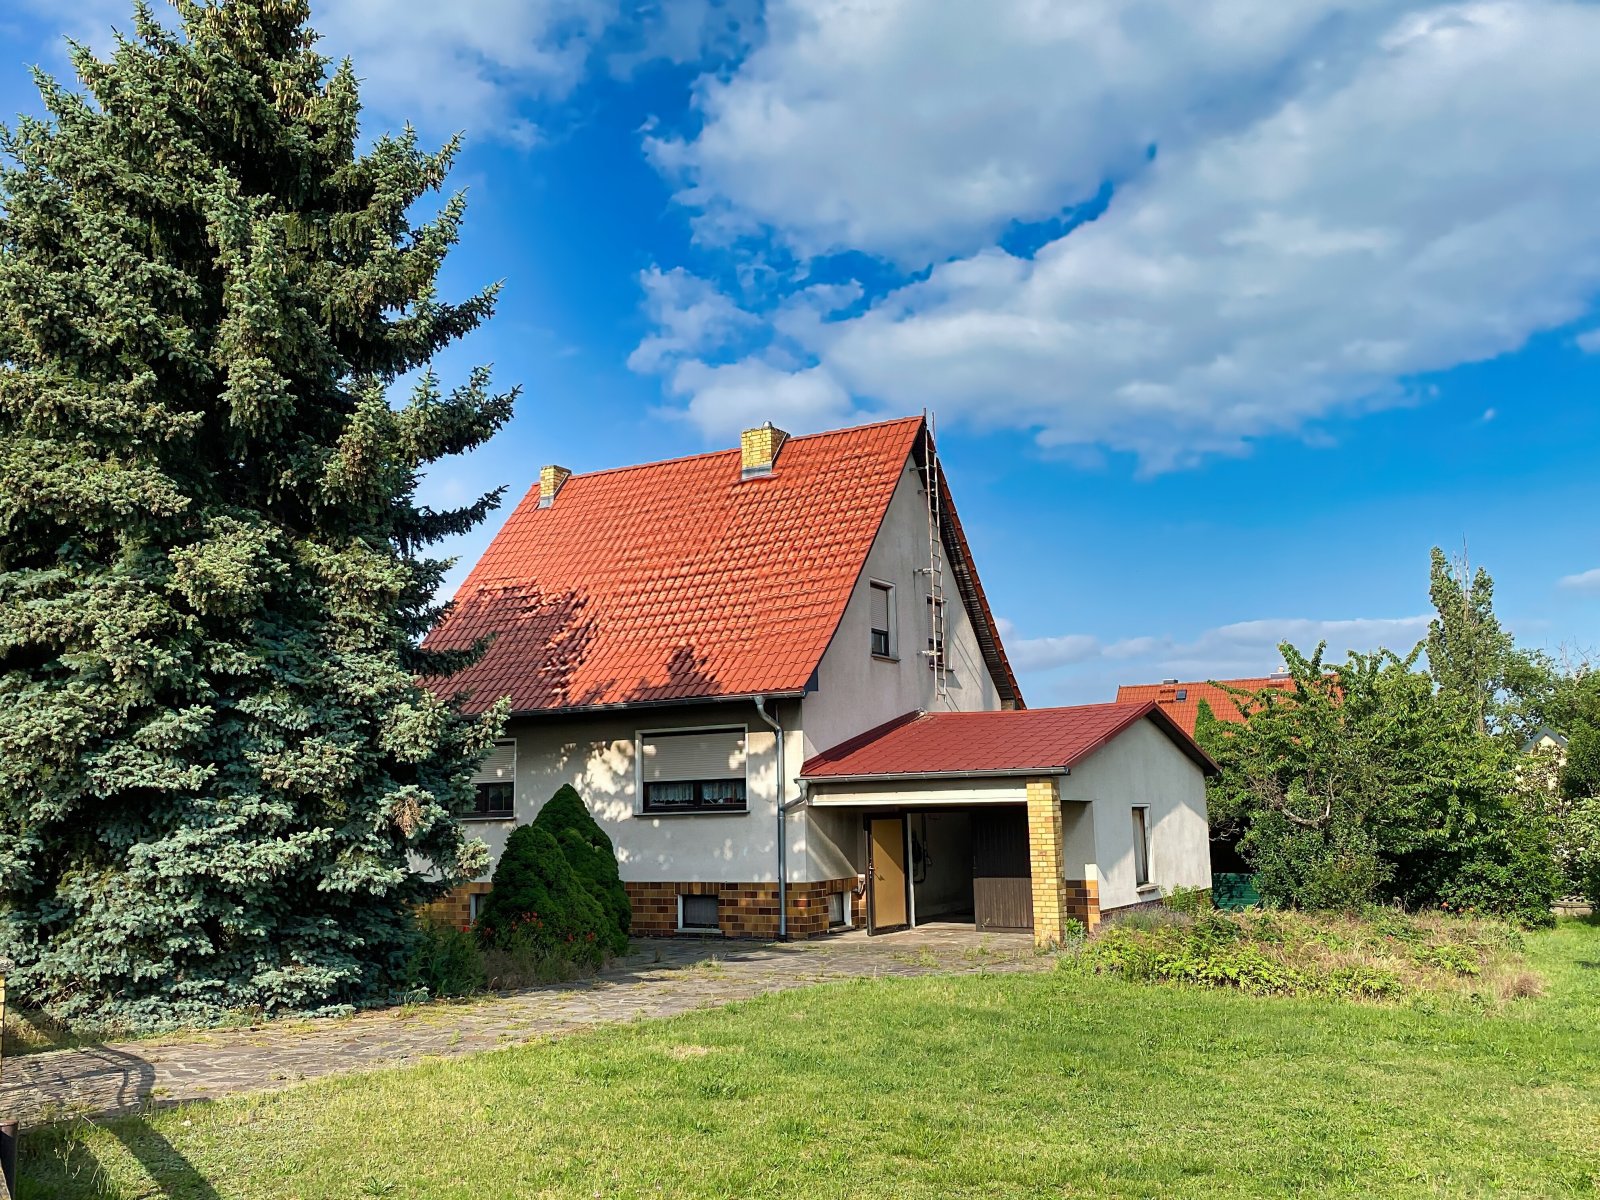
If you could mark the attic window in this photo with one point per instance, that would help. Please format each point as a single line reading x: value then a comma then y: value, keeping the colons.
x: 1183, y: 693
x: 882, y: 620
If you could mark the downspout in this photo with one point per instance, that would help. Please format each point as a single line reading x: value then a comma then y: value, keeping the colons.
x: 783, y: 834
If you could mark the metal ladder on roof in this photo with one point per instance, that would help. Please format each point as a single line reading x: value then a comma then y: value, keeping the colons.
x: 935, y: 569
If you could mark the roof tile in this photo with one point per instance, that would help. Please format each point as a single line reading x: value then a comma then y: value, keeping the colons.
x: 675, y: 580
x: 1184, y: 710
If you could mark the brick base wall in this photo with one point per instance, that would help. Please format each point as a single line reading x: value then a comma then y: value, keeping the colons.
x: 747, y: 910
x: 455, y: 906
x: 1083, y: 902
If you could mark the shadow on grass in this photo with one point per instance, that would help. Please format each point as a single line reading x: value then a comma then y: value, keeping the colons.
x: 63, y: 1166
x: 56, y: 1162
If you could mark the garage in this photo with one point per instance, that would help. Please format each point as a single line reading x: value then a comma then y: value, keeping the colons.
x: 1019, y: 819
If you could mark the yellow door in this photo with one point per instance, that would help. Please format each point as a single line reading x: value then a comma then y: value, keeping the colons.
x: 887, y: 907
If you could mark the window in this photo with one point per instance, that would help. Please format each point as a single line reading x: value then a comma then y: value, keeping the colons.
x: 883, y: 620
x: 474, y: 905
x: 698, y: 912
x: 1141, y: 846
x: 838, y: 909
x: 1183, y: 694
x: 494, y: 786
x: 692, y: 770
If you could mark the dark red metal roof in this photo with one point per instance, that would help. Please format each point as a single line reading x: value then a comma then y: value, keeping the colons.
x: 1007, y: 742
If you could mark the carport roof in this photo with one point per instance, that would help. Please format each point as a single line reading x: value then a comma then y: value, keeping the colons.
x: 1007, y: 742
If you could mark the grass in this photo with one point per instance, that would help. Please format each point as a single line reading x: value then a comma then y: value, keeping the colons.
x: 1063, y: 1083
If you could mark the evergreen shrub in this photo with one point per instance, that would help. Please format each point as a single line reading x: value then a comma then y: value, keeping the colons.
x: 566, y: 818
x: 539, y: 905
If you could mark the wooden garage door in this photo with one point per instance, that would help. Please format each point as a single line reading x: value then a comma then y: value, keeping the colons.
x: 1002, y: 879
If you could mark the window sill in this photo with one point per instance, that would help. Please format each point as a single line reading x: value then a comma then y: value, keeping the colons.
x: 888, y: 658
x: 695, y: 812
x: 1146, y: 888
x: 486, y: 819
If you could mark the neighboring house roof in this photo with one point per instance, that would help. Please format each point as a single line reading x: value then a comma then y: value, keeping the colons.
x: 680, y: 580
x: 1181, y: 701
x: 1540, y: 734
x: 955, y: 744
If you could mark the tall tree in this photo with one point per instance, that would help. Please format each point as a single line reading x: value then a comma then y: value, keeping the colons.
x: 1469, y: 655
x: 220, y: 785
x: 1366, y: 783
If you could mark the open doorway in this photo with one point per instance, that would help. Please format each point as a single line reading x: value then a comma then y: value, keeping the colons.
x: 941, y: 866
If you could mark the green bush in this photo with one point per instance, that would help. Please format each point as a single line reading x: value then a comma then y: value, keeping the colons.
x: 445, y: 962
x: 1192, y: 901
x: 566, y: 818
x: 539, y: 901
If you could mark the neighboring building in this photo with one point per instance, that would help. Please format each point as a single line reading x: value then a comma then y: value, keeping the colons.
x: 1181, y: 701
x: 1545, y: 740
x: 703, y: 647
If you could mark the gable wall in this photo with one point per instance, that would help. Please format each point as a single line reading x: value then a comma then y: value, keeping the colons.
x: 1143, y: 766
x: 856, y: 691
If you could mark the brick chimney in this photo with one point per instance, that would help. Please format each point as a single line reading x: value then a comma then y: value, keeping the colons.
x: 758, y: 450
x: 550, y: 481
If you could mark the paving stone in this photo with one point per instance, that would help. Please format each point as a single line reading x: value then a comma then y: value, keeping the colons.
x: 656, y: 978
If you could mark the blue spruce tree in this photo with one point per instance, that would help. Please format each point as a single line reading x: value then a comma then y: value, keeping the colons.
x: 220, y: 785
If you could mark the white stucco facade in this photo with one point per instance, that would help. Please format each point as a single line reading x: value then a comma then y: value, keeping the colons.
x: 1140, y: 766
x: 597, y: 754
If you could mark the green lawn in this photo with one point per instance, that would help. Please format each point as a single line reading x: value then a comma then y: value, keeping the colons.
x: 1055, y: 1084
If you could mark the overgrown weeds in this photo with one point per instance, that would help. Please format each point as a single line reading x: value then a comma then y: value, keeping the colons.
x: 1385, y: 955
x: 450, y: 963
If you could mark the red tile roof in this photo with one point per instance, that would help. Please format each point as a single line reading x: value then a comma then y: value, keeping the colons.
x: 676, y: 580
x: 1224, y: 706
x: 976, y: 743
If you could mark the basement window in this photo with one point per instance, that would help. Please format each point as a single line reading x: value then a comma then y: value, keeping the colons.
x: 882, y: 620
x: 838, y: 910
x: 693, y: 771
x: 698, y: 914
x: 494, y: 787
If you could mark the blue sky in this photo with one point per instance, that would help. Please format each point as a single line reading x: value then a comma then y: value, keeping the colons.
x: 1228, y: 312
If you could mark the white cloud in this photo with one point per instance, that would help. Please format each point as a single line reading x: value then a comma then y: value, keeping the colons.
x: 690, y: 315
x: 467, y: 65
x: 1345, y: 196
x: 486, y: 67
x: 1589, y: 342
x: 912, y: 128
x: 685, y: 31
x: 1584, y: 581
x: 1244, y: 648
x: 723, y: 399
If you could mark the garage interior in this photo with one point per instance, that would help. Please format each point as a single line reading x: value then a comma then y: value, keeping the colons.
x: 956, y: 865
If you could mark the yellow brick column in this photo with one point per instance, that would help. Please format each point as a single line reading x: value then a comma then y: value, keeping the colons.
x: 1045, y: 839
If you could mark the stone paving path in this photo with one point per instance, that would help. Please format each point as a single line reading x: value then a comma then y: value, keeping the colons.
x: 659, y: 978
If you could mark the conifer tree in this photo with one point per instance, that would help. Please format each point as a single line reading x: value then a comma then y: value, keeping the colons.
x: 220, y: 785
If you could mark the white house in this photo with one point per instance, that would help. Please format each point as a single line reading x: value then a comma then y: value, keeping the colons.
x: 773, y: 676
